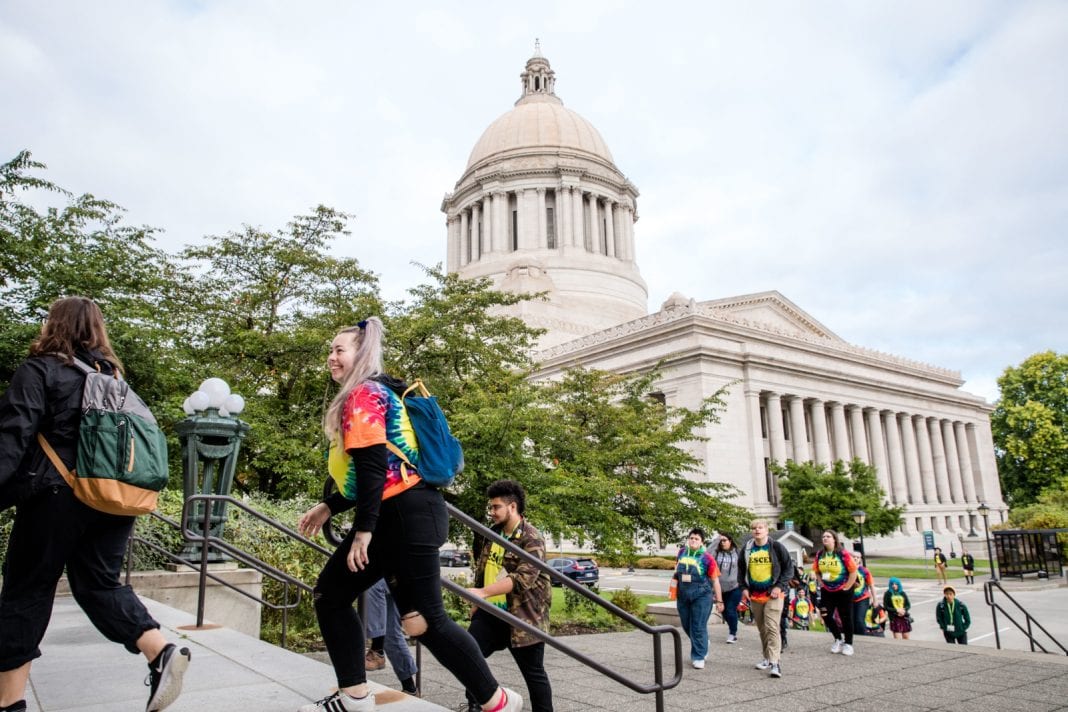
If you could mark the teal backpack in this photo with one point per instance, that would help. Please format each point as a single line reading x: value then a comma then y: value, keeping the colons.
x: 441, y: 457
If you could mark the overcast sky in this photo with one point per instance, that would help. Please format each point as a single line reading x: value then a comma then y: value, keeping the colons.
x: 899, y: 170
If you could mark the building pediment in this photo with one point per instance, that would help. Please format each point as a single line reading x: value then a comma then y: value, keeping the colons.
x: 772, y: 312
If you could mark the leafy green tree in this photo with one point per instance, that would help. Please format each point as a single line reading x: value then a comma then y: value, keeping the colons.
x: 816, y: 497
x: 266, y: 305
x: 1030, y: 426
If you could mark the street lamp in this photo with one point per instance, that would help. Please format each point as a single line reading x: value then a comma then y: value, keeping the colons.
x: 860, y: 516
x: 971, y: 525
x: 984, y: 512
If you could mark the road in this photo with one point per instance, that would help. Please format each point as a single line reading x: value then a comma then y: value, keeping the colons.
x: 1048, y: 605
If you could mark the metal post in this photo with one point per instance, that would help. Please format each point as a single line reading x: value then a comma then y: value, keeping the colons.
x: 203, y: 567
x: 989, y: 549
x: 863, y: 559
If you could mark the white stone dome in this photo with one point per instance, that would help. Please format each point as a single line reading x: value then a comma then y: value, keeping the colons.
x: 539, y: 122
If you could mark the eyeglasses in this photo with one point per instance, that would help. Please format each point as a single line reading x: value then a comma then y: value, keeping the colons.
x: 490, y: 509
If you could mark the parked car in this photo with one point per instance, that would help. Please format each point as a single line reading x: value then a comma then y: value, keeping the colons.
x: 579, y: 570
x: 454, y: 557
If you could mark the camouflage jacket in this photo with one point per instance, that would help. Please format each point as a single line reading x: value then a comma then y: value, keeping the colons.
x: 531, y: 588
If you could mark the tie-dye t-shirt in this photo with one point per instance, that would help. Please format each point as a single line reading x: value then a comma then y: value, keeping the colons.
x: 862, y: 588
x: 373, y: 415
x: 759, y: 572
x: 832, y: 569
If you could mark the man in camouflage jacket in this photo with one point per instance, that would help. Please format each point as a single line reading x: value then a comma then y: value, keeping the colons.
x: 516, y: 585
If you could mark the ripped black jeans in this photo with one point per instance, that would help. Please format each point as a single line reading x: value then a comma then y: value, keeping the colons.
x: 404, y: 550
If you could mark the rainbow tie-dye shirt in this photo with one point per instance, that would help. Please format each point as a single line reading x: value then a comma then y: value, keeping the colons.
x: 832, y: 569
x: 373, y: 415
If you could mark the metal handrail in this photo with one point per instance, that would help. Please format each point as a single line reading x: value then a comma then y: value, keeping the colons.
x: 658, y: 687
x: 988, y: 593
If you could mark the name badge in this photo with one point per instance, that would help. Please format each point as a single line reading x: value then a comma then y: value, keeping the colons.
x: 687, y: 578
x: 826, y: 576
x: 949, y: 629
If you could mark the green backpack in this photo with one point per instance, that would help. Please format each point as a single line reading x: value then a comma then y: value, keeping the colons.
x: 122, y: 453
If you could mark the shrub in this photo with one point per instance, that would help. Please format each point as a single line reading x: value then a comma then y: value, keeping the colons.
x: 628, y: 601
x: 655, y: 562
x: 575, y: 602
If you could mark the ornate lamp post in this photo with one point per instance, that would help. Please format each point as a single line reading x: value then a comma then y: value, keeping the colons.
x: 860, y: 516
x: 984, y: 512
x: 211, y: 439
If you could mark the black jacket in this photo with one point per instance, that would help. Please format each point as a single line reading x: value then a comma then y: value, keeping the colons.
x: 45, y: 396
x: 782, y: 566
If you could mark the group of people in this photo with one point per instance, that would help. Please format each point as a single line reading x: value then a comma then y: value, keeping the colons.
x: 400, y: 523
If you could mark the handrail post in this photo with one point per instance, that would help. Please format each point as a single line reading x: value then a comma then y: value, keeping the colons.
x: 285, y: 611
x: 203, y: 566
x: 658, y: 672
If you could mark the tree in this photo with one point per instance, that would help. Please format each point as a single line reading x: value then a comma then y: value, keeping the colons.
x: 818, y: 498
x: 266, y: 305
x: 1030, y: 426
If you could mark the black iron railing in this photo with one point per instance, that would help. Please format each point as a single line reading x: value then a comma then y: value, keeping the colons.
x: 1027, y: 628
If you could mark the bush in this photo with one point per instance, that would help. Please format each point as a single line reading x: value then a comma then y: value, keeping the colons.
x: 662, y: 563
x: 628, y: 601
x: 457, y: 607
x: 576, y: 603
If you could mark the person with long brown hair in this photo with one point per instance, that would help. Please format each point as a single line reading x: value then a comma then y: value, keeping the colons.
x: 53, y: 529
x: 400, y: 524
x: 836, y: 572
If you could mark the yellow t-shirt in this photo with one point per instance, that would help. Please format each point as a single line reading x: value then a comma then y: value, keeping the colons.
x: 495, y: 572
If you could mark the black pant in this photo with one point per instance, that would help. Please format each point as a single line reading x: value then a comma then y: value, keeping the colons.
x: 404, y: 550
x: 961, y: 639
x: 842, y: 603
x: 493, y: 634
x: 54, y: 529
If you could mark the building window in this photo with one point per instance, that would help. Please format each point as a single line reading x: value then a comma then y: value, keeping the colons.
x: 658, y: 397
x: 785, y: 425
x: 481, y: 247
x: 763, y: 422
x: 467, y: 242
x: 550, y: 229
x: 604, y: 236
x: 587, y: 228
x: 515, y: 230
x: 919, y: 524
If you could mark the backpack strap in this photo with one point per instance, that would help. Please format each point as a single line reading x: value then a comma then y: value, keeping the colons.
x: 68, y: 475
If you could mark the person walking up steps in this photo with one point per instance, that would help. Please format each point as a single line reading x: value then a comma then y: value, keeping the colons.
x: 54, y: 529
x: 764, y: 570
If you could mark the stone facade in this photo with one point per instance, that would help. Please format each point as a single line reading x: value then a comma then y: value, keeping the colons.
x: 795, y: 390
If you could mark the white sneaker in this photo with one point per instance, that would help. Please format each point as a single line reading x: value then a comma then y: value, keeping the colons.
x: 732, y: 639
x: 847, y: 649
x: 763, y: 665
x: 342, y: 702
x: 775, y: 671
x: 698, y: 664
x: 513, y: 702
x: 837, y: 647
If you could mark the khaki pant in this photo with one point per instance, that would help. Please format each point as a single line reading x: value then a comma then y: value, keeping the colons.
x: 766, y: 617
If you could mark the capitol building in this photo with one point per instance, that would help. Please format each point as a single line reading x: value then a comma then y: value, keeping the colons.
x: 542, y: 207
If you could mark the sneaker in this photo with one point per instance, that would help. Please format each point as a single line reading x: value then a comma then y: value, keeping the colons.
x: 731, y: 639
x: 763, y: 665
x: 698, y: 664
x: 775, y: 670
x: 837, y: 647
x: 19, y: 706
x: 847, y: 649
x: 513, y: 701
x: 374, y: 660
x: 165, y: 677
x: 342, y: 702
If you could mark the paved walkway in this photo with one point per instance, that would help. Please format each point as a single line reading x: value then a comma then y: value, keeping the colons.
x: 81, y: 672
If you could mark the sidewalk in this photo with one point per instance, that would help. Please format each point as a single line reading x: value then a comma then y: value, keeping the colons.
x: 82, y: 672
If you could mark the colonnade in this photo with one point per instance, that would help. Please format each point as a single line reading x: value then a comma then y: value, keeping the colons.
x: 503, y: 221
x: 919, y: 459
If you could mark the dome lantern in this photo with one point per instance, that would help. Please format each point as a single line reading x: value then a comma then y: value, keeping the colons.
x: 538, y: 79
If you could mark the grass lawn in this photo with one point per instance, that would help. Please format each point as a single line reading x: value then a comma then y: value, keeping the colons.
x: 917, y: 568
x: 587, y: 617
x: 919, y: 561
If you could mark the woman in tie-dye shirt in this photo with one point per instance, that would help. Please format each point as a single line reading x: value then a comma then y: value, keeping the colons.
x: 836, y: 572
x: 400, y: 524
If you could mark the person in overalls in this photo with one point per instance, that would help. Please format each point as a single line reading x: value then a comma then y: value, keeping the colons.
x: 698, y: 577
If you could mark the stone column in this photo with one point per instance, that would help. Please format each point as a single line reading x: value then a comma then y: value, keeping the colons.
x: 896, y: 458
x: 776, y: 438
x: 756, y: 450
x: 464, y: 237
x: 563, y: 215
x: 489, y: 239
x: 797, y: 429
x: 476, y: 247
x: 500, y: 222
x: 860, y: 442
x: 522, y: 218
x: 912, y: 458
x: 964, y: 455
x: 578, y: 215
x: 617, y: 230
x: 952, y: 462
x: 821, y: 443
x: 628, y: 231
x: 593, y: 243
x: 841, y: 433
x: 878, y: 450
x: 542, y: 240
x: 927, y: 470
x: 610, y: 228
x: 454, y: 254
x: 938, y: 455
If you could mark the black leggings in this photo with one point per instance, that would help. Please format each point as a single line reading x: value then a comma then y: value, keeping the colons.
x: 493, y: 634
x: 54, y: 529
x: 842, y: 603
x: 404, y: 550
